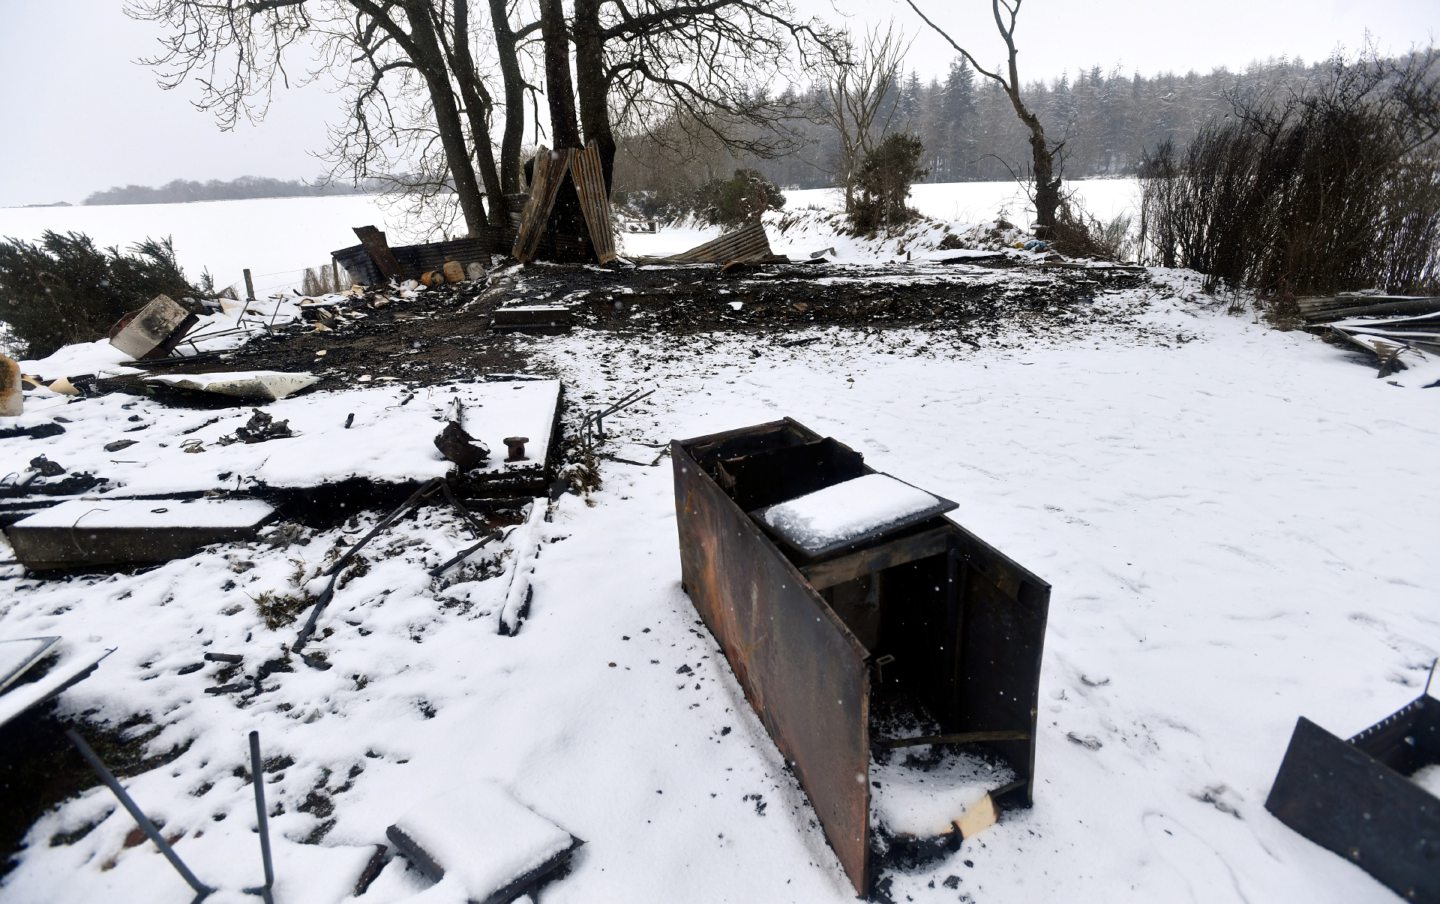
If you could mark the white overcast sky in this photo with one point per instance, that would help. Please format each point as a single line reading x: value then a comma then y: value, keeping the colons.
x: 78, y: 115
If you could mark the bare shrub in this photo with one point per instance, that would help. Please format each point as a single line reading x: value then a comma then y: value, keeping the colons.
x: 1331, y: 190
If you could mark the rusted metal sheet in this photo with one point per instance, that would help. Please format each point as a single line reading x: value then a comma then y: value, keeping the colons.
x: 802, y: 670
x: 379, y: 250
x: 958, y: 626
x: 549, y: 172
x: 589, y: 178
x: 749, y: 243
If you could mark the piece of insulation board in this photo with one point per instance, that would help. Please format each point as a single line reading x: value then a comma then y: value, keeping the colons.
x: 83, y: 533
x: 850, y: 512
x: 19, y: 655
x: 479, y: 837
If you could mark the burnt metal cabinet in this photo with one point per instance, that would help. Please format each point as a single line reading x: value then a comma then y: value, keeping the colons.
x: 929, y: 616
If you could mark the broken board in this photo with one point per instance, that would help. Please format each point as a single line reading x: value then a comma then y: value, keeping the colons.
x: 86, y: 533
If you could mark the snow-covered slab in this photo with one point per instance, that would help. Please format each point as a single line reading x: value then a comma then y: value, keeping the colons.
x: 18, y: 655
x: 477, y: 838
x: 832, y: 518
x: 390, y: 439
x: 260, y: 385
x: 99, y: 531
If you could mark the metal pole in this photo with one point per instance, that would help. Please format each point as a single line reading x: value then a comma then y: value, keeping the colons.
x: 143, y: 821
x: 262, y: 820
x: 249, y: 286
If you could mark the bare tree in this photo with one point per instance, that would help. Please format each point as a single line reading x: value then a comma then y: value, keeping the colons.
x: 1044, y: 156
x: 860, y: 101
x: 382, y: 51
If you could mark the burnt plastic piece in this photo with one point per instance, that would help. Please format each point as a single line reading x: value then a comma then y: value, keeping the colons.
x: 964, y: 624
x: 1355, y: 798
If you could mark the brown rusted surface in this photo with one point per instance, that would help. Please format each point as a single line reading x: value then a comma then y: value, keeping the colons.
x: 749, y: 243
x: 379, y: 250
x: 960, y: 626
x: 549, y: 171
x: 589, y: 176
x: 802, y: 670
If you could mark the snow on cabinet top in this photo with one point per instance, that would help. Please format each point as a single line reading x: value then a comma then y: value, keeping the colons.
x: 840, y: 513
x: 390, y: 440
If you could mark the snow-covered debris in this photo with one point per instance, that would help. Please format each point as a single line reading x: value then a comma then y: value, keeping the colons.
x: 390, y: 439
x: 922, y: 802
x: 834, y: 516
x: 476, y: 838
x: 264, y: 385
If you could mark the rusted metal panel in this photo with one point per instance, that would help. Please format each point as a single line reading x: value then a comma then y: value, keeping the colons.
x: 549, y: 172
x: 1354, y: 797
x: 959, y: 626
x: 749, y: 243
x: 379, y: 249
x: 589, y: 178
x: 802, y: 670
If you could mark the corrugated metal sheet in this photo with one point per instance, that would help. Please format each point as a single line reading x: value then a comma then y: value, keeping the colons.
x: 549, y: 170
x: 747, y: 244
x: 589, y: 176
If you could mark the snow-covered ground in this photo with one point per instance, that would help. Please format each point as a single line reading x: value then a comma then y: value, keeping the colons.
x: 278, y: 238
x: 1233, y: 520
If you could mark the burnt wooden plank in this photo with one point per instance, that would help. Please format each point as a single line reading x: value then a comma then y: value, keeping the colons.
x: 899, y: 551
x: 379, y: 249
x: 1341, y: 798
x: 549, y: 171
x: 589, y: 176
x: 802, y: 670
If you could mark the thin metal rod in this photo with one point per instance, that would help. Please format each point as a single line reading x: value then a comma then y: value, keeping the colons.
x: 333, y: 571
x: 143, y: 821
x: 1432, y: 676
x: 262, y: 820
x: 463, y: 554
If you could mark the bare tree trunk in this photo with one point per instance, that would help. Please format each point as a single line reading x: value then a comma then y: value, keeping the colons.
x: 559, y: 89
x: 478, y: 108
x: 594, y: 87
x: 1047, y: 182
x: 430, y: 61
x: 513, y: 136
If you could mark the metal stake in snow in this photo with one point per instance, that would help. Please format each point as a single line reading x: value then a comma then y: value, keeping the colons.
x: 262, y: 821
x: 202, y: 891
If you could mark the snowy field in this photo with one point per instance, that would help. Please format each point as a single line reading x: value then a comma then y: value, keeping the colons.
x: 1207, y: 496
x: 277, y: 238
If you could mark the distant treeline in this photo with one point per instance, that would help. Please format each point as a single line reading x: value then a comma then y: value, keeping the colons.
x: 1107, y: 120
x: 182, y: 190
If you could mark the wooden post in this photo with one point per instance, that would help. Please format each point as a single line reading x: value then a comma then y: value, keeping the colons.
x: 334, y: 275
x: 249, y: 286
